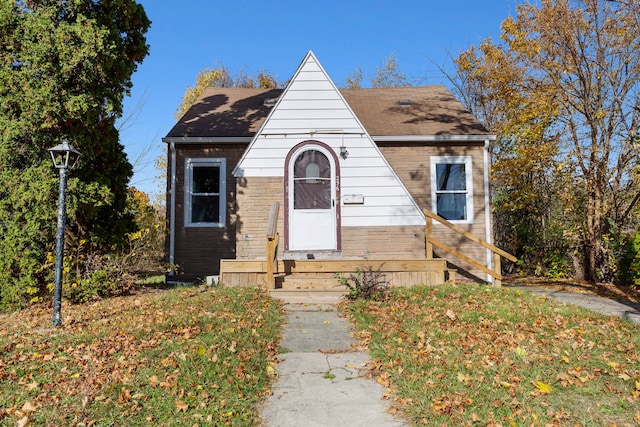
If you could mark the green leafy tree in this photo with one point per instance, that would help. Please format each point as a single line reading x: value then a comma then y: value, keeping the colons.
x: 65, y: 67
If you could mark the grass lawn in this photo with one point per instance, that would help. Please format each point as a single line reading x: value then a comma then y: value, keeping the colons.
x: 486, y: 356
x: 178, y: 357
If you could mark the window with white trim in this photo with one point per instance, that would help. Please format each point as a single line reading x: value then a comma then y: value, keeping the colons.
x: 205, y: 195
x: 452, y: 188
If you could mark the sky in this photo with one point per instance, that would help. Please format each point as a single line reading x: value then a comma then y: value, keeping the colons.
x: 275, y: 35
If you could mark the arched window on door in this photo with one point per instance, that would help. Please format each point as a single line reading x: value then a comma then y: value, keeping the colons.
x: 312, y: 181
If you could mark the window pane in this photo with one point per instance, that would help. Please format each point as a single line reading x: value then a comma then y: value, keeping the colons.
x: 303, y: 169
x: 315, y: 195
x: 452, y: 206
x: 312, y: 172
x: 312, y: 181
x: 206, y: 179
x: 205, y: 209
x: 451, y: 177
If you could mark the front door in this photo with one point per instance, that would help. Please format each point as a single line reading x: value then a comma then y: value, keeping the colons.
x: 312, y: 198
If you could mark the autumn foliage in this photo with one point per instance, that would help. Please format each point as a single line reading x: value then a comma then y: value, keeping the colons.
x: 560, y: 91
x: 479, y: 355
x: 188, y: 356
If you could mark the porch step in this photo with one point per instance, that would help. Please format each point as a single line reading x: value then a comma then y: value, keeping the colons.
x: 318, y: 281
x: 307, y: 296
x: 398, y: 272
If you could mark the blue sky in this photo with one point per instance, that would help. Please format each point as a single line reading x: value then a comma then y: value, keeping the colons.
x: 275, y: 35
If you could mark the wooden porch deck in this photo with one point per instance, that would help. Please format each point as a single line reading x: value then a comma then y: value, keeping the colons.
x: 323, y: 274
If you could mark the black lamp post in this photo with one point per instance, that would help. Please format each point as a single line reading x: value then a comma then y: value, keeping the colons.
x: 64, y: 157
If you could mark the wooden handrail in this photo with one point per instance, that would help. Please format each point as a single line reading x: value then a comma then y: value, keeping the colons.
x: 431, y: 241
x: 272, y: 246
x: 272, y: 225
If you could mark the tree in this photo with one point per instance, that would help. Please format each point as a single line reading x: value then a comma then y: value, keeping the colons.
x: 579, y: 60
x: 496, y: 88
x: 65, y: 67
x: 389, y: 75
x: 221, y: 77
x: 215, y: 77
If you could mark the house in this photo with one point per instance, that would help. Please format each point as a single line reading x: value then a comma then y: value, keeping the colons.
x: 360, y: 176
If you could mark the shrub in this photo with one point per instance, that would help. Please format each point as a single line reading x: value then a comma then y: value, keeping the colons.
x: 96, y: 276
x: 366, y: 283
x: 629, y: 260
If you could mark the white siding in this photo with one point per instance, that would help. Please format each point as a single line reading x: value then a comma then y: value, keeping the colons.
x: 312, y: 108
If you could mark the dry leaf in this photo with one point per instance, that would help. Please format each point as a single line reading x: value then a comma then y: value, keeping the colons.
x: 154, y: 381
x: 22, y: 421
x: 463, y: 378
x: 543, y: 388
x: 28, y: 407
x: 451, y: 315
x: 181, y: 406
x: 623, y: 376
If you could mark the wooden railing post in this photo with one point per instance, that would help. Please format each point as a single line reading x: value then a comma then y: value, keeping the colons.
x: 272, y: 246
x: 496, y: 273
x: 428, y: 232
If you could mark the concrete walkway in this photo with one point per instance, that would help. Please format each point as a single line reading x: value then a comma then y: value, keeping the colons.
x: 627, y: 310
x: 320, y: 375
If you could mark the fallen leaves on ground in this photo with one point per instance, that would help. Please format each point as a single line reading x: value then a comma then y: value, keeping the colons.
x: 472, y: 354
x: 171, y: 357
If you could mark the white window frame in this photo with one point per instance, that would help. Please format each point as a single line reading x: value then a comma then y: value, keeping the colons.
x: 466, y: 160
x: 190, y: 163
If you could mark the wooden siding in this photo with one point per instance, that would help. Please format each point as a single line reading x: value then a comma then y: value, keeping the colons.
x: 310, y: 104
x: 198, y: 250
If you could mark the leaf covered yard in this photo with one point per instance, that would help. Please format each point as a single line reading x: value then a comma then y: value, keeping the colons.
x: 480, y: 355
x: 178, y: 357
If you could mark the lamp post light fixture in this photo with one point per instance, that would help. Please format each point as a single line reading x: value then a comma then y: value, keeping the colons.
x: 64, y: 157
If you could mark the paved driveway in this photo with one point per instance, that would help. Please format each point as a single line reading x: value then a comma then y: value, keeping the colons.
x: 626, y: 310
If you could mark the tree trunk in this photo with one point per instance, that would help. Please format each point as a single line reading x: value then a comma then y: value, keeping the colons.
x: 593, y: 233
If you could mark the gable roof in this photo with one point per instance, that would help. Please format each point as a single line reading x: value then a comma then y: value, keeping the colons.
x: 225, y: 112
x: 240, y: 112
x: 418, y: 110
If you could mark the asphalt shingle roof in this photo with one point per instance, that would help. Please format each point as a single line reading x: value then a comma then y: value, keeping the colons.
x: 239, y: 112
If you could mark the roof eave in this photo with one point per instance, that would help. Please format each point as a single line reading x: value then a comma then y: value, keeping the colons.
x: 207, y: 139
x: 435, y: 138
x: 376, y: 138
